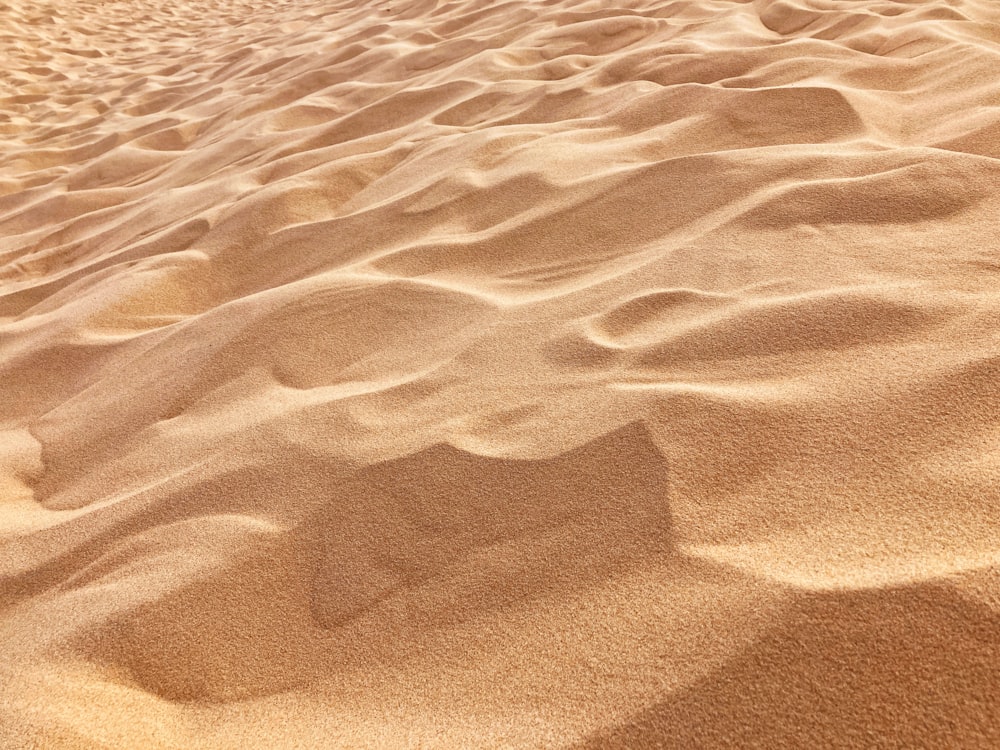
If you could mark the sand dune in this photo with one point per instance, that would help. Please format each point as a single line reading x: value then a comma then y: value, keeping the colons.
x: 461, y: 374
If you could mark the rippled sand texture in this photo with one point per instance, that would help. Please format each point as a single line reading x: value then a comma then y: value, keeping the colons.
x: 523, y: 374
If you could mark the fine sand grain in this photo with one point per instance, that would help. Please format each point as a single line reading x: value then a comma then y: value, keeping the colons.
x: 556, y: 374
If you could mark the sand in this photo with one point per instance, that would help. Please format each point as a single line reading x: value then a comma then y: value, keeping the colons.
x: 557, y: 374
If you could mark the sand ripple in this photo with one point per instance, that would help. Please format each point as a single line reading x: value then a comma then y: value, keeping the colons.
x: 523, y: 374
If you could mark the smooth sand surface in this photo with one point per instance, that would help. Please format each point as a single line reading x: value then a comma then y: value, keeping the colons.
x: 420, y: 374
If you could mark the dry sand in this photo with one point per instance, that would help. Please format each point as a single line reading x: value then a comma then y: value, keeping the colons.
x: 521, y: 374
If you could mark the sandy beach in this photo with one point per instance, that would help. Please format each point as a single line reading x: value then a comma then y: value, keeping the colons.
x: 531, y: 374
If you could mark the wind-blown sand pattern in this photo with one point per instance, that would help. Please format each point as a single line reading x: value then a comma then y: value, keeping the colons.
x: 524, y: 374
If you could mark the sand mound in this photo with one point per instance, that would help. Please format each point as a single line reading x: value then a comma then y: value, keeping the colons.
x: 526, y: 374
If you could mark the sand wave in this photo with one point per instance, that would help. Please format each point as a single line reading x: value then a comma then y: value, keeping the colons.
x: 525, y: 374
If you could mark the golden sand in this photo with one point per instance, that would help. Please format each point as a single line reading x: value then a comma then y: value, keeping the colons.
x: 558, y: 374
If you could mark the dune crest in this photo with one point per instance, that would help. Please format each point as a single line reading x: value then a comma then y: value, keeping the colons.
x: 553, y: 374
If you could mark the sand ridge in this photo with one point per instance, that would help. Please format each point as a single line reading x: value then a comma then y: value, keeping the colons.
x: 528, y: 374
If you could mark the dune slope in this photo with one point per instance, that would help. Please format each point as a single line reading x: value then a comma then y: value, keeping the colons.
x: 562, y: 374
